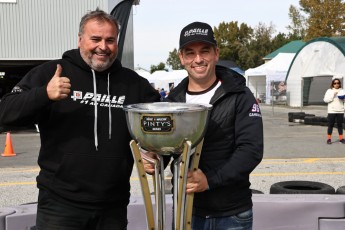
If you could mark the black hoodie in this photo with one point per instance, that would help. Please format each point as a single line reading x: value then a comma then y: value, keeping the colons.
x: 85, y: 156
x: 232, y: 148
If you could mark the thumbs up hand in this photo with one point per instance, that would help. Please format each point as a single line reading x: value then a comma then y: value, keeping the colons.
x: 58, y: 87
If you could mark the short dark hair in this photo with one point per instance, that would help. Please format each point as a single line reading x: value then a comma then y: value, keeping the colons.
x: 98, y: 15
x: 335, y: 79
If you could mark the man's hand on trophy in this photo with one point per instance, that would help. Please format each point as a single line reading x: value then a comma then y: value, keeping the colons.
x: 149, y: 161
x: 196, y: 181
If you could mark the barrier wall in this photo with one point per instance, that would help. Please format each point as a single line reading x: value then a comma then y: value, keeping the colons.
x: 299, y: 212
x: 271, y: 211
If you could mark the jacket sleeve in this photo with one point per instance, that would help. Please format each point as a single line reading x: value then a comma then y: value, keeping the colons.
x: 28, y: 97
x: 329, y: 96
x: 148, y: 93
x: 249, y: 144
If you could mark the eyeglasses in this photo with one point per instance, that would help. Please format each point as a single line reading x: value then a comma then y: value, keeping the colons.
x: 336, y: 83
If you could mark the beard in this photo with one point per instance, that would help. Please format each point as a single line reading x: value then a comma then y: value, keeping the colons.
x: 96, y: 64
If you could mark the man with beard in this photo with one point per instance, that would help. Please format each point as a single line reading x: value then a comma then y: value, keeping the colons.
x: 77, y: 101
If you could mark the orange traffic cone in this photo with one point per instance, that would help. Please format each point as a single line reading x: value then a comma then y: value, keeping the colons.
x: 8, y: 152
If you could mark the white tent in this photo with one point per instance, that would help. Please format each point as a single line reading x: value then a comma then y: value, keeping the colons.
x: 260, y: 79
x: 256, y: 80
x: 144, y: 73
x: 314, y: 65
x: 163, y: 79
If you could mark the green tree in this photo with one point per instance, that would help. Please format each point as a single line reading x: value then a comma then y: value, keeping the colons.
x: 233, y: 42
x: 298, y: 25
x: 281, y: 39
x: 325, y: 18
x: 160, y: 66
x: 173, y: 60
x: 261, y: 43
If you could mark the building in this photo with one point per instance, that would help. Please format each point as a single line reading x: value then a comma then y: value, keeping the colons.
x: 36, y: 31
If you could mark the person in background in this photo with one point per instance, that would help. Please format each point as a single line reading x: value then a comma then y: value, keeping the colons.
x: 163, y: 94
x: 171, y: 86
x: 77, y: 101
x: 233, y: 143
x: 334, y: 97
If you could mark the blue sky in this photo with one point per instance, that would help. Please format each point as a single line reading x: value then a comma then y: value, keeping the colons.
x: 157, y: 23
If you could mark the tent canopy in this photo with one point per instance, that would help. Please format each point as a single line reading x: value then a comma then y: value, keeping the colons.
x: 163, y: 79
x: 291, y: 47
x: 259, y: 79
x: 320, y: 57
x: 278, y: 66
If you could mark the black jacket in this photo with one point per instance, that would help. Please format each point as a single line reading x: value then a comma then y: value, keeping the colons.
x: 71, y: 167
x: 233, y: 146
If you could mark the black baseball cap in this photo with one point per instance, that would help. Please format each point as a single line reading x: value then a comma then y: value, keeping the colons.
x: 197, y: 32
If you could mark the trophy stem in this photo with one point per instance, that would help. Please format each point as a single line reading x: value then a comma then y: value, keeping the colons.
x: 144, y: 185
x: 190, y: 197
x: 181, y: 177
x: 160, y: 193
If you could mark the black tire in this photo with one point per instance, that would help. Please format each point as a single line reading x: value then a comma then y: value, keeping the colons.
x: 298, y: 116
x: 322, y: 121
x: 309, y: 115
x: 295, y: 115
x: 254, y: 191
x: 309, y: 120
x: 35, y: 202
x: 317, y: 120
x: 301, y: 187
x: 324, y: 124
x: 340, y: 190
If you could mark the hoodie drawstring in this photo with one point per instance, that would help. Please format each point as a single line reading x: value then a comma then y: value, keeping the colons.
x: 109, y: 106
x: 95, y: 106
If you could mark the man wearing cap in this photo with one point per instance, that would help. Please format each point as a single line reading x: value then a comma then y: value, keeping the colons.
x: 233, y: 143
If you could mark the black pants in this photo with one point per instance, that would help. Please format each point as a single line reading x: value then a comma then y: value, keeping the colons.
x: 332, y: 117
x: 54, y: 215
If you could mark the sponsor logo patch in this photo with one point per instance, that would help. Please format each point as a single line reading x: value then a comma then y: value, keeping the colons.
x: 255, y: 112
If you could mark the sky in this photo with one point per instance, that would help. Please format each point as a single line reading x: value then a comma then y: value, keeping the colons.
x: 158, y: 23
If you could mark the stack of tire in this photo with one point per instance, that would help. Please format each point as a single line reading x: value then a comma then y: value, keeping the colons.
x: 308, y: 119
x: 316, y: 120
x: 301, y: 117
x: 294, y: 116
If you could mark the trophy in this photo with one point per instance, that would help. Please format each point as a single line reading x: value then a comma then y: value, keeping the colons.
x: 167, y: 128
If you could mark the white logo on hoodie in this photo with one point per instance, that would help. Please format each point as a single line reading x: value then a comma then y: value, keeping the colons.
x: 102, y: 99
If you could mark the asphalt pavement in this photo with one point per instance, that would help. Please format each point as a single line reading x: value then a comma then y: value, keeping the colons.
x: 293, y: 151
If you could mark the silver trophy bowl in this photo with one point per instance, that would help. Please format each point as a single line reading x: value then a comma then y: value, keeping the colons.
x: 162, y: 127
